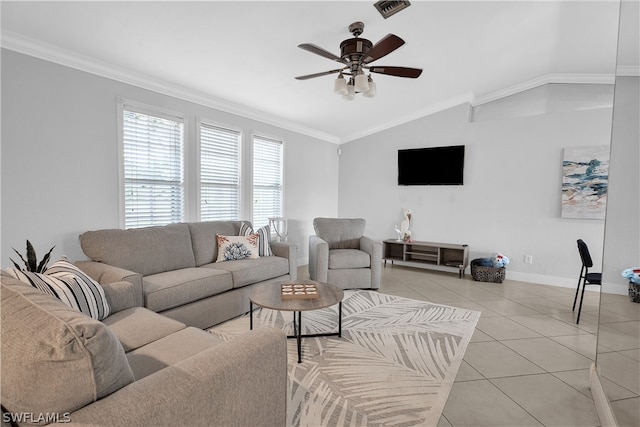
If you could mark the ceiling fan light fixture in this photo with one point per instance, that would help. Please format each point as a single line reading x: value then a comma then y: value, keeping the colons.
x: 351, y: 92
x: 361, y: 83
x: 340, y: 85
x: 356, y: 56
x: 372, y: 89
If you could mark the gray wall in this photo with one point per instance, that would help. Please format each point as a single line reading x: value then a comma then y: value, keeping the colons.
x: 510, y: 201
x: 60, y: 166
x: 622, y: 235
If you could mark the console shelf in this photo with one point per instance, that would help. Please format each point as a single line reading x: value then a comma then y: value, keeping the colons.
x: 436, y: 256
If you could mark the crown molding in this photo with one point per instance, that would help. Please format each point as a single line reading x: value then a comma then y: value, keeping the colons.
x: 48, y: 52
x: 18, y: 43
x: 476, y: 100
x: 607, y: 79
x: 628, y: 71
x: 427, y: 111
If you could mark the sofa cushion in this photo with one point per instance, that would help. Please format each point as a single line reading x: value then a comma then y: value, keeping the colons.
x: 54, y: 358
x: 348, y: 258
x: 138, y: 326
x: 203, y: 238
x: 146, y: 250
x: 70, y: 285
x: 170, y: 289
x: 340, y: 233
x: 169, y: 350
x: 249, y: 271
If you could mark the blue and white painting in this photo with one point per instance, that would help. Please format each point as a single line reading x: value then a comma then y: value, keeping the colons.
x: 585, y: 179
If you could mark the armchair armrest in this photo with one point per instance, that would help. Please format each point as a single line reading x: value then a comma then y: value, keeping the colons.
x: 105, y: 273
x: 374, y: 249
x: 318, y: 259
x: 242, y: 382
x: 289, y: 251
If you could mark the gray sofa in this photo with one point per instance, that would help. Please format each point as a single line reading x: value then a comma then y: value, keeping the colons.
x: 135, y: 368
x: 173, y: 269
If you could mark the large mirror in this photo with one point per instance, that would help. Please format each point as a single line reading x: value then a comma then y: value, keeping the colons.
x: 618, y: 349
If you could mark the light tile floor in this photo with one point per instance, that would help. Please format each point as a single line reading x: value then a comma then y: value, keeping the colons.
x: 527, y: 363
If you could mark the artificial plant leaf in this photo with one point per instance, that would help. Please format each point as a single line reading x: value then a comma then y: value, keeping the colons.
x: 43, y: 264
x: 23, y: 260
x: 15, y: 264
x: 31, y: 257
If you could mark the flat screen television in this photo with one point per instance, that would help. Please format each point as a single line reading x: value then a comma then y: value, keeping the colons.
x: 431, y: 166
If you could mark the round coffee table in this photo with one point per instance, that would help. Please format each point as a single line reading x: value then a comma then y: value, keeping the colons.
x: 268, y: 295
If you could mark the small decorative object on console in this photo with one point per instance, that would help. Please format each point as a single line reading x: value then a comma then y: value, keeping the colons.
x: 405, y: 225
x: 294, y: 290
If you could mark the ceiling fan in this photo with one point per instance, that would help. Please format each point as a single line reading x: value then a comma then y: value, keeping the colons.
x: 356, y: 54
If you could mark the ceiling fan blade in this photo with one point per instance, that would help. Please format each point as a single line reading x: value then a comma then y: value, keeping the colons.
x: 388, y: 44
x: 324, y: 73
x: 411, y: 73
x: 310, y: 47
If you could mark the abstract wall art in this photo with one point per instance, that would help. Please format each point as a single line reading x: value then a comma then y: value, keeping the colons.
x: 585, y: 177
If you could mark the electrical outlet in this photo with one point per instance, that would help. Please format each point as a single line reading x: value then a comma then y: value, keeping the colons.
x: 528, y: 259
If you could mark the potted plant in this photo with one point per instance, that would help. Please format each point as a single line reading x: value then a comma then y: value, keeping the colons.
x: 31, y: 263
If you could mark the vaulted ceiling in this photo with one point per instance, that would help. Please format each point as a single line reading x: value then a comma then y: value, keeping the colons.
x: 242, y: 56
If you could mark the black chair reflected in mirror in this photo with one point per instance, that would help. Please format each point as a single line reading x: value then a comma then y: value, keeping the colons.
x: 585, y: 278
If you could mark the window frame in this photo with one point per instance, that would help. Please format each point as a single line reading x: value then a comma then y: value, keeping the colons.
x: 241, y: 169
x: 251, y: 142
x: 138, y: 107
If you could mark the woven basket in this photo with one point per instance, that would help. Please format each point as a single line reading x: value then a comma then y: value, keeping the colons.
x: 634, y: 292
x: 487, y: 274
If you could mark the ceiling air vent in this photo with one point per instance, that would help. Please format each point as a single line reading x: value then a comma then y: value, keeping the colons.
x: 388, y: 8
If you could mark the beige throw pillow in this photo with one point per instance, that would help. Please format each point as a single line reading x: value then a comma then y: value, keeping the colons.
x: 54, y: 358
x: 237, y: 247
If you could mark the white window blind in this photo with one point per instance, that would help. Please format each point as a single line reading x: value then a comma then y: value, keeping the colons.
x: 153, y: 169
x: 219, y: 173
x: 267, y: 180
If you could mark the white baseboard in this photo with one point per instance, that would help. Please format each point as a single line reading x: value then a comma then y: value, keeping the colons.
x: 600, y: 399
x: 542, y: 279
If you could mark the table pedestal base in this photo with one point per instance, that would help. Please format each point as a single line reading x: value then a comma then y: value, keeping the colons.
x: 297, y: 327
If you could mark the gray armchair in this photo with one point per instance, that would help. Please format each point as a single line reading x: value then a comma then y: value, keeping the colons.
x: 340, y: 254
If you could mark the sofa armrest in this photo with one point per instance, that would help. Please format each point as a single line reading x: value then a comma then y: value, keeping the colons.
x: 374, y: 249
x: 289, y: 251
x: 318, y: 259
x: 120, y: 295
x: 105, y: 273
x: 242, y: 382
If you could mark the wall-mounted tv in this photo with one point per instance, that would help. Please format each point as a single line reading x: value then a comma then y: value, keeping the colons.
x: 431, y: 166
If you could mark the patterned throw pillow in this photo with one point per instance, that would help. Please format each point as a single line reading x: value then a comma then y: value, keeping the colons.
x: 70, y: 285
x: 237, y: 247
x: 264, y: 238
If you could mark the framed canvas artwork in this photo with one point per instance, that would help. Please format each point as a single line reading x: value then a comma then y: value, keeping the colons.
x: 585, y: 178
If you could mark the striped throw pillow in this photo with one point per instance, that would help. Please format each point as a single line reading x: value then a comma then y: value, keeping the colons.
x: 70, y: 285
x: 264, y: 237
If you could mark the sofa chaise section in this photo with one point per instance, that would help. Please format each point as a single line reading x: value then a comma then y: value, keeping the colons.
x: 135, y: 368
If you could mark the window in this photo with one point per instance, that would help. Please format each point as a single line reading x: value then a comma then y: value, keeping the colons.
x: 267, y: 180
x: 219, y: 173
x: 173, y: 172
x: 152, y: 147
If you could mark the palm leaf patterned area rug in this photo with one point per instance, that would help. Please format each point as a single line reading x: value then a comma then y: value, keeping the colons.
x: 393, y: 366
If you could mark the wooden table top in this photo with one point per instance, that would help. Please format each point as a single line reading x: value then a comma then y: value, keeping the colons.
x: 268, y: 295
